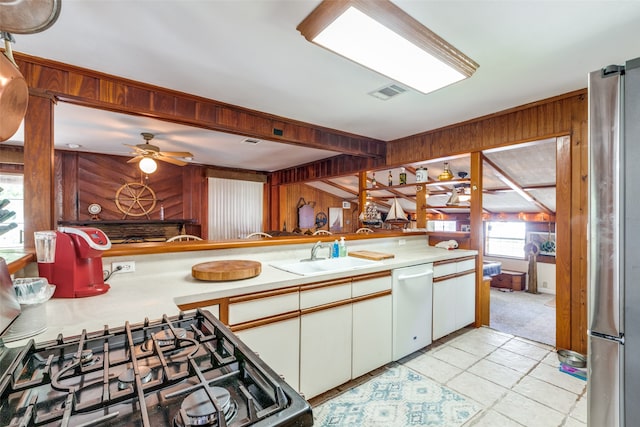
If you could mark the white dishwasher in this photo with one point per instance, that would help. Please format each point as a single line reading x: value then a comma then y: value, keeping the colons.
x: 412, y: 308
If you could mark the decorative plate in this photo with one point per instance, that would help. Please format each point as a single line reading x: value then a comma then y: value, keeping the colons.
x: 94, y: 209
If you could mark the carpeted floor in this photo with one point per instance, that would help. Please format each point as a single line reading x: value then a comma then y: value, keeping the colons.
x: 531, y: 316
x: 398, y: 397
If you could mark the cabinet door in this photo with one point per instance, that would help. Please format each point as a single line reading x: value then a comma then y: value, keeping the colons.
x: 444, y: 308
x: 325, y: 349
x: 466, y: 300
x: 278, y: 344
x: 371, y: 334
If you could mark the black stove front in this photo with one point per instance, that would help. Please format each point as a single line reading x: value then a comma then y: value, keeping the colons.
x: 187, y: 370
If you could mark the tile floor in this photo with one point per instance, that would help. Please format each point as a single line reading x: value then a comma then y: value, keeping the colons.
x: 516, y: 381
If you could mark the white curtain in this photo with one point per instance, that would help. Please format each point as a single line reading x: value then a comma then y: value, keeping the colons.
x: 235, y: 208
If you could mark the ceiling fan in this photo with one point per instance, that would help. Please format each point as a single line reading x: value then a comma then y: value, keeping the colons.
x: 150, y: 151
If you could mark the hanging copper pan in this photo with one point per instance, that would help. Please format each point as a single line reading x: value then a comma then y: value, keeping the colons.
x: 19, y: 17
x: 14, y: 95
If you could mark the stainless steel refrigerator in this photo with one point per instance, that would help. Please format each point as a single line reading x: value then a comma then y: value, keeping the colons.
x: 614, y: 246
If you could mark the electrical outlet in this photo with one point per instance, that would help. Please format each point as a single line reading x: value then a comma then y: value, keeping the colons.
x: 126, y: 266
x: 402, y: 242
x: 545, y: 284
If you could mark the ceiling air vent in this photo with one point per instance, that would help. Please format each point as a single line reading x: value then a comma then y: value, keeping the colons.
x: 251, y: 141
x: 388, y: 92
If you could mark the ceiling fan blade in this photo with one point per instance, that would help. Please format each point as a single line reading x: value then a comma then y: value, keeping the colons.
x: 176, y: 153
x: 136, y: 148
x: 171, y: 160
x: 135, y: 159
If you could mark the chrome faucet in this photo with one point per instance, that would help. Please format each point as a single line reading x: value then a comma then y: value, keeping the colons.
x: 314, y: 250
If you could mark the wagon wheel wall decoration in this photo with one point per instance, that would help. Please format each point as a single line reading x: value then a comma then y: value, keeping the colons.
x: 135, y: 199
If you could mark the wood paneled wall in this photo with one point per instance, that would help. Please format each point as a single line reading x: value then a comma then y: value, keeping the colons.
x: 557, y: 117
x: 290, y: 196
x: 85, y: 178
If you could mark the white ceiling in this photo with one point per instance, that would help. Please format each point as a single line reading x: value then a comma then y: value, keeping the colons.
x: 248, y: 53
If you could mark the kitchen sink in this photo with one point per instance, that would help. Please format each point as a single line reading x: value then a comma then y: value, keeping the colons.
x: 323, y: 266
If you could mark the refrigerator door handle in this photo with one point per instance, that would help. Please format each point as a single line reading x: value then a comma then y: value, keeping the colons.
x: 619, y: 339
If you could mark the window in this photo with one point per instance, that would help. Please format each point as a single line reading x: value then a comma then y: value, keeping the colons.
x: 505, y: 238
x: 11, y: 211
x: 439, y: 225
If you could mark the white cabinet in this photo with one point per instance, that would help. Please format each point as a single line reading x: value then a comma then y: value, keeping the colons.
x: 319, y: 335
x: 325, y: 349
x: 345, y: 330
x: 269, y: 323
x: 278, y: 344
x: 454, y: 296
x: 466, y: 303
x: 444, y: 307
x: 371, y: 335
x: 372, y: 324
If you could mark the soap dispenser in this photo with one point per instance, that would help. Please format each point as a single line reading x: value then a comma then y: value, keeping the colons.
x: 343, y: 247
x: 335, y: 249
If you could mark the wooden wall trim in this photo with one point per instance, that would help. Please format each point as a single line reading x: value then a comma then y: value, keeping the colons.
x: 563, y: 245
x: 333, y: 166
x: 90, y: 88
x: 547, y: 118
x: 454, y: 260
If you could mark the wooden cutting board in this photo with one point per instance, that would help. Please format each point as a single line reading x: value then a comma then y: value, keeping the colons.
x: 372, y: 255
x: 219, y: 271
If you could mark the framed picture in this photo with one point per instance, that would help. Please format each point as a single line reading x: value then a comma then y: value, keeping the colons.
x: 465, y: 227
x: 346, y: 205
x: 545, y: 241
x: 335, y: 220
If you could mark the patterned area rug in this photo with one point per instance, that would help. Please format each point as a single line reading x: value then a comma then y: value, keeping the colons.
x: 399, y: 397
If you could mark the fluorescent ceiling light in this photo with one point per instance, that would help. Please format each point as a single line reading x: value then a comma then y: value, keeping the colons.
x: 381, y: 36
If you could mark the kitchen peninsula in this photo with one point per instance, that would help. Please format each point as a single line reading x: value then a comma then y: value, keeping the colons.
x: 162, y: 284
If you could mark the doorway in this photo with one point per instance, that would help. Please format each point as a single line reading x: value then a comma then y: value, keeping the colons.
x: 519, y: 206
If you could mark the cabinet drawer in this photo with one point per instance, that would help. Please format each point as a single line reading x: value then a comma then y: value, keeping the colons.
x: 260, y: 308
x: 466, y: 265
x: 325, y: 295
x: 370, y: 286
x: 446, y: 269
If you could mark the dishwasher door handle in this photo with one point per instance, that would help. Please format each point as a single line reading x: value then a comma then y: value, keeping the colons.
x: 415, y: 276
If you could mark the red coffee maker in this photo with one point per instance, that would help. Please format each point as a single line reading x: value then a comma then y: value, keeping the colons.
x: 77, y: 268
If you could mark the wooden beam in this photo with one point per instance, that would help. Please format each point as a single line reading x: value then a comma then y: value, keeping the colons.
x: 477, y: 230
x: 525, y: 188
x: 89, y: 88
x: 11, y: 155
x: 39, y: 167
x: 339, y: 187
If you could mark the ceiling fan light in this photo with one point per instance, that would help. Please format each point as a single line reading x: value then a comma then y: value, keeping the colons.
x: 148, y: 165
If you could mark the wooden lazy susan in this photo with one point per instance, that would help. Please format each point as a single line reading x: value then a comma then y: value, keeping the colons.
x: 221, y: 271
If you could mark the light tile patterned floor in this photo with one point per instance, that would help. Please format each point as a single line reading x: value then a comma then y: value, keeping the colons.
x: 514, y: 380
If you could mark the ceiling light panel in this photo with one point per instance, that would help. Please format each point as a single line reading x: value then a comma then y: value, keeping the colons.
x: 381, y: 36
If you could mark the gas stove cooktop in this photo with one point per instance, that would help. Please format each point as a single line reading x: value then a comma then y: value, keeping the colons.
x: 178, y: 371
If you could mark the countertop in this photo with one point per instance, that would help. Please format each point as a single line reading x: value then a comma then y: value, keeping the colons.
x: 162, y: 281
